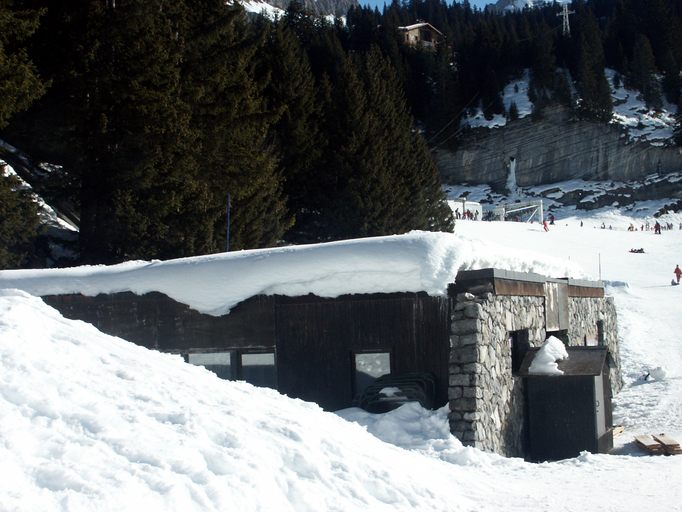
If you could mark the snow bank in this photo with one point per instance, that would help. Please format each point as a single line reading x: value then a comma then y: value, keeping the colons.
x: 545, y: 360
x: 417, y: 261
x: 91, y: 422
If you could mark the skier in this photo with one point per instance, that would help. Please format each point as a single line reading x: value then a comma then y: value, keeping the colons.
x: 657, y: 228
x: 544, y: 225
x: 678, y: 273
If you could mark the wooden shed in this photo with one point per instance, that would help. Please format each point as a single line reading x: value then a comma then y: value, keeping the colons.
x: 569, y: 413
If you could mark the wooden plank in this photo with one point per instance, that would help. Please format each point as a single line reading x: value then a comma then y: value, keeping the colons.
x: 669, y: 444
x: 649, y: 444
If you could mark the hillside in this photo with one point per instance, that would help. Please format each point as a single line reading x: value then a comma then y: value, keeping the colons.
x: 559, y: 146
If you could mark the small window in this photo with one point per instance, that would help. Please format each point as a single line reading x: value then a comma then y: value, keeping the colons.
x: 518, y: 346
x: 369, y: 367
x: 259, y: 369
x: 600, y: 333
x: 220, y: 363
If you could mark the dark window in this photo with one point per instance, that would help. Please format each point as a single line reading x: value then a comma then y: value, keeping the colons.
x: 255, y: 368
x: 562, y: 335
x: 259, y: 369
x: 220, y: 363
x: 369, y: 366
x: 600, y: 333
x: 518, y: 346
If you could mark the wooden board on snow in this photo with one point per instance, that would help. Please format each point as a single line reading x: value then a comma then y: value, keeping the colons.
x: 649, y: 444
x: 669, y: 444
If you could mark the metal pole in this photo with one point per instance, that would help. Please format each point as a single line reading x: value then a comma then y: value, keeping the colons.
x: 599, y: 266
x: 227, y: 237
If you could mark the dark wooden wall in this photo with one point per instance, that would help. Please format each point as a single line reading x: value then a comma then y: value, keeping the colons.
x: 314, y: 338
x: 155, y: 321
x: 324, y: 335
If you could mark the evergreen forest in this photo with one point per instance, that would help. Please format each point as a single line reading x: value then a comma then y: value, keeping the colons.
x: 167, y: 119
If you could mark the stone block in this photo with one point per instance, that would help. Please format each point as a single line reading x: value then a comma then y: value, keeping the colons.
x: 460, y: 380
x: 455, y: 392
x: 460, y: 426
x: 463, y: 404
x: 472, y: 392
x: 468, y: 326
x: 463, y: 355
x: 472, y: 368
x: 471, y: 416
x: 472, y: 310
x: 454, y: 415
x: 466, y: 339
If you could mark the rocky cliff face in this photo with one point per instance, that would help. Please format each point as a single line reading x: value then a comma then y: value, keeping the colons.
x: 556, y: 148
x: 320, y: 7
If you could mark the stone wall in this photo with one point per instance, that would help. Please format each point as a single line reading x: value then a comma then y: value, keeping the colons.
x: 585, y: 316
x: 486, y: 399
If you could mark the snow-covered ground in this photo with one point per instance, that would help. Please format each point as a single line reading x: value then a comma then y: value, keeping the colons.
x: 618, y: 215
x: 91, y: 422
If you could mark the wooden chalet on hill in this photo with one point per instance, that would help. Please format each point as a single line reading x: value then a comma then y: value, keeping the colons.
x: 421, y: 35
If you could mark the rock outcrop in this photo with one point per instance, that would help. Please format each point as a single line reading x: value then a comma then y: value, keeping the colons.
x: 556, y: 148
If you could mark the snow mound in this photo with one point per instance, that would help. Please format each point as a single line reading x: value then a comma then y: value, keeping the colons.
x: 91, y: 422
x: 545, y: 360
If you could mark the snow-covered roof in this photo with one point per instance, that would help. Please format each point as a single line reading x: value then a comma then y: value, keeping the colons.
x: 415, y: 26
x: 414, y: 262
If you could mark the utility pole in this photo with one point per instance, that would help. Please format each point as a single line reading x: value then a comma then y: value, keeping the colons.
x: 564, y: 13
x: 227, y: 237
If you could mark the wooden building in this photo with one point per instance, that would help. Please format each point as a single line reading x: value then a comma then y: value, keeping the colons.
x: 469, y: 344
x: 317, y: 349
x: 421, y: 35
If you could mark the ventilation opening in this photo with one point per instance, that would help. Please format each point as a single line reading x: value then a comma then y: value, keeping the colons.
x: 518, y: 346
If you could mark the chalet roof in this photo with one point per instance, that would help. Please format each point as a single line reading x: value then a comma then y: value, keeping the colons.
x: 407, y: 28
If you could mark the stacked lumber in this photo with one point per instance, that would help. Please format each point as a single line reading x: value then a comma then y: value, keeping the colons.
x: 658, y: 444
x: 672, y: 447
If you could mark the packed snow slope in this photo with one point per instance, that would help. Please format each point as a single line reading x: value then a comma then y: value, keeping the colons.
x: 91, y: 422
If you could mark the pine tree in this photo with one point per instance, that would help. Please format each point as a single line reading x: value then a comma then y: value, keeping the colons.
x: 292, y: 93
x: 19, y: 222
x: 593, y: 88
x: 232, y: 123
x: 544, y: 64
x: 385, y: 180
x: 136, y: 168
x: 20, y: 84
x: 643, y: 73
